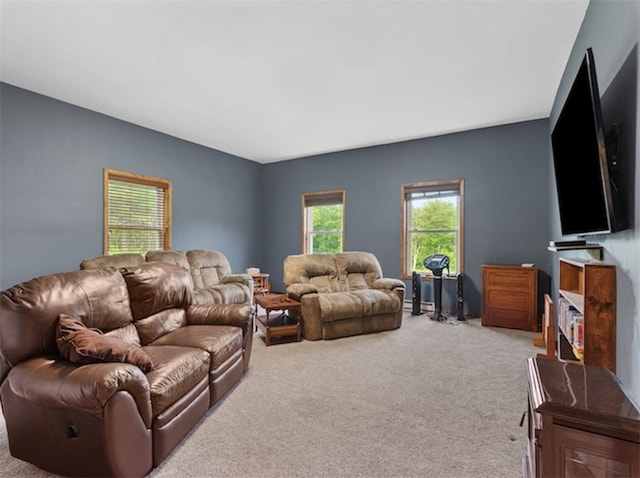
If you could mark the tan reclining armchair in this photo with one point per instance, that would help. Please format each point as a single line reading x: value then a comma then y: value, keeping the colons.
x: 343, y: 294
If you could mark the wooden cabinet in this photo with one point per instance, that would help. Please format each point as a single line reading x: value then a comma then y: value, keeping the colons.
x: 586, y: 314
x: 510, y: 297
x: 580, y: 423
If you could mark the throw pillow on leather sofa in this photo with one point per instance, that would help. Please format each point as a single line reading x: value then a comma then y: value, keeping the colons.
x: 81, y: 345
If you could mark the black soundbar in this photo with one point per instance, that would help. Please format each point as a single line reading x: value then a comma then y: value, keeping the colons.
x: 576, y: 242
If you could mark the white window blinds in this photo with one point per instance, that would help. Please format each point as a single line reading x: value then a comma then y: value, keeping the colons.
x: 137, y: 213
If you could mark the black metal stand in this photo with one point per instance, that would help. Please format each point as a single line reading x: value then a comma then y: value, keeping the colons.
x: 437, y: 297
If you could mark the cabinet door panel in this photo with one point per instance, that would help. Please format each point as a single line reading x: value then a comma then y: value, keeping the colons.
x: 509, y: 318
x: 510, y: 299
x: 508, y: 280
x: 580, y: 454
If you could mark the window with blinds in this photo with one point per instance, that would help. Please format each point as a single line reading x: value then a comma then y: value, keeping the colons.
x: 137, y: 215
x: 323, y: 222
x: 432, y: 223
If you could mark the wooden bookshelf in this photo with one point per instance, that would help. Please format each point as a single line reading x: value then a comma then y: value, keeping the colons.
x: 587, y: 289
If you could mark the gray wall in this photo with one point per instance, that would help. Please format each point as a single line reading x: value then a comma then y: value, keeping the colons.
x: 52, y: 156
x: 612, y: 30
x: 506, y: 199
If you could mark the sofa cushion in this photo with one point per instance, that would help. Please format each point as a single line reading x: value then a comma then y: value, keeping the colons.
x: 357, y: 270
x: 318, y: 270
x: 156, y: 286
x: 175, y: 372
x: 128, y: 334
x: 357, y: 304
x: 339, y: 305
x: 233, y: 293
x: 155, y: 326
x: 114, y: 260
x: 178, y: 258
x: 221, y: 341
x: 208, y: 268
x: 378, y: 302
x: 81, y: 345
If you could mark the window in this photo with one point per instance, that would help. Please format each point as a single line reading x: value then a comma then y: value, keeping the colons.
x: 323, y: 222
x: 432, y: 223
x: 137, y: 213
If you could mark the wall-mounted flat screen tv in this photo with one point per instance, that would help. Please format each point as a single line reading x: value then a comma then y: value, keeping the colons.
x: 586, y: 196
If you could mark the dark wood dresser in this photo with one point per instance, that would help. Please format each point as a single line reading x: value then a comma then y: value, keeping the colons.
x: 510, y: 297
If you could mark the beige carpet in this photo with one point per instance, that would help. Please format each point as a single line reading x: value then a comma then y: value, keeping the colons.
x: 427, y: 400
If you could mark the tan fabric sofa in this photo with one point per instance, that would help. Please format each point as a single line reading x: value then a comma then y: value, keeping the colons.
x: 343, y: 294
x: 209, y: 271
x: 103, y: 372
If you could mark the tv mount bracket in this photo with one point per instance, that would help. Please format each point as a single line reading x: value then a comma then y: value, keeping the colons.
x: 612, y: 144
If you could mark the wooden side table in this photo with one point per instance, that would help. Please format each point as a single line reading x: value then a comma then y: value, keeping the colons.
x: 281, y: 326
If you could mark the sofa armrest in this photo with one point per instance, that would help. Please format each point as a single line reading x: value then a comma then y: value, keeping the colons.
x: 54, y: 382
x: 239, y: 315
x: 296, y: 291
x: 388, y: 283
x: 240, y: 278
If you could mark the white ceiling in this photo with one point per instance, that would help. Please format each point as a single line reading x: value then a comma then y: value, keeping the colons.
x: 272, y: 80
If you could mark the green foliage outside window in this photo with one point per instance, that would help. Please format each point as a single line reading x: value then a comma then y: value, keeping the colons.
x: 326, y: 229
x: 125, y: 241
x: 433, y: 230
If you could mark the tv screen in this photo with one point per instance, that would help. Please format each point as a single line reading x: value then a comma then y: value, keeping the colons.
x: 580, y: 159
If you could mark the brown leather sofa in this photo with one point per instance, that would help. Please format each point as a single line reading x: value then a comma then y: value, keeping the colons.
x: 209, y: 271
x: 343, y: 294
x: 104, y: 371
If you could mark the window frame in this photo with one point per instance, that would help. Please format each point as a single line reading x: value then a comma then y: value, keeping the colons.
x: 124, y: 176
x: 312, y: 199
x: 440, y: 185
